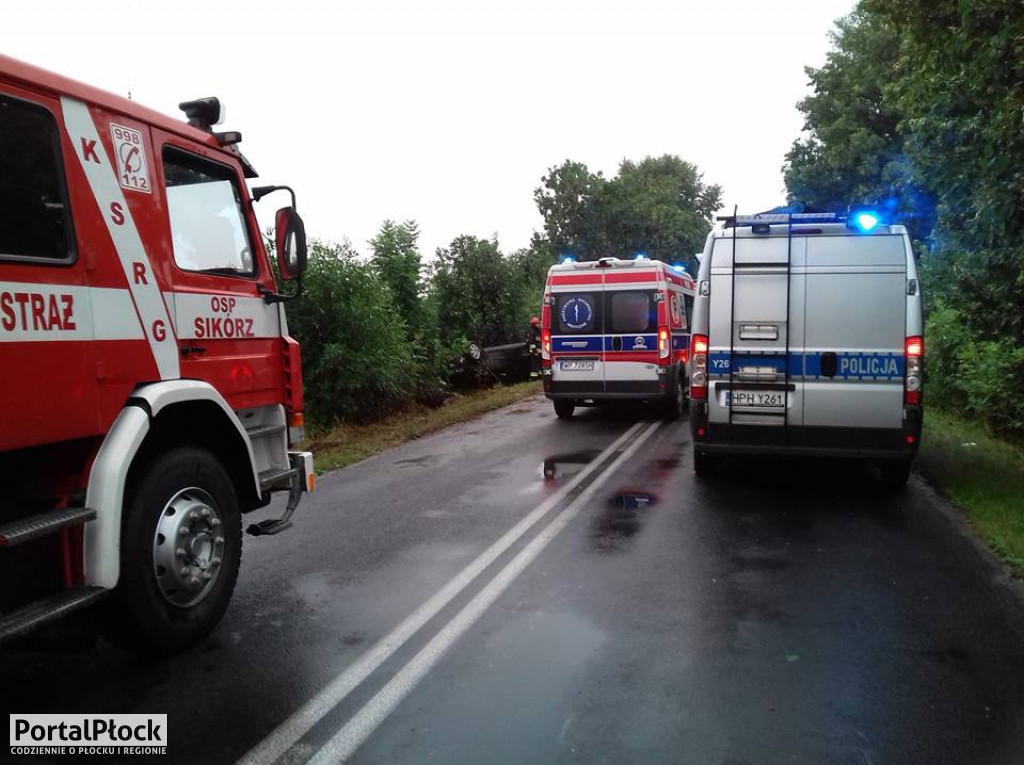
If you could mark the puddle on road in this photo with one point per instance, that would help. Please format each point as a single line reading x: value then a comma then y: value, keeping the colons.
x: 620, y: 520
x: 564, y: 465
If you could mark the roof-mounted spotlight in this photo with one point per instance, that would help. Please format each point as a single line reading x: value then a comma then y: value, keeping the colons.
x: 203, y: 113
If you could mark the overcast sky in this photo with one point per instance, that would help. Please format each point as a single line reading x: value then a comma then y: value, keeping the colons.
x: 450, y: 112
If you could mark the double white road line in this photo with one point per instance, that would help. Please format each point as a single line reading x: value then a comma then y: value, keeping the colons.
x: 359, y: 727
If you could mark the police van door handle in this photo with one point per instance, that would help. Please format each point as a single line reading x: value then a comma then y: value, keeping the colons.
x: 828, y: 364
x: 616, y: 343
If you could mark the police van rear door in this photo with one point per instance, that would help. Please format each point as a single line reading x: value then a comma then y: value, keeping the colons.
x: 756, y: 330
x: 854, y: 331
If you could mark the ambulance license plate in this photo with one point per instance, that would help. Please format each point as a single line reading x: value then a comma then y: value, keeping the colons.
x: 577, y: 366
x: 758, y: 398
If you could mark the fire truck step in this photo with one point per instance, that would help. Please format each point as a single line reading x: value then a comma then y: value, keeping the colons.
x: 35, y: 526
x: 47, y: 609
x: 268, y: 527
x: 265, y: 430
x: 276, y: 476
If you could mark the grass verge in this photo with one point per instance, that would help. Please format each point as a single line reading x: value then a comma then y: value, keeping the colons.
x: 983, y: 475
x: 346, y: 444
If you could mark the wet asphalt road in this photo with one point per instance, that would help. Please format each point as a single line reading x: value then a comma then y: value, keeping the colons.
x: 779, y: 614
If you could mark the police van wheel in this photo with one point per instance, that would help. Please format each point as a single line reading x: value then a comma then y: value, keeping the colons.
x: 675, y: 405
x: 895, y: 473
x: 704, y: 465
x: 182, y: 545
x: 564, y: 407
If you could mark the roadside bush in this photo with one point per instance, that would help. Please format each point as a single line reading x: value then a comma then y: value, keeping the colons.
x: 356, y: 361
x: 980, y: 377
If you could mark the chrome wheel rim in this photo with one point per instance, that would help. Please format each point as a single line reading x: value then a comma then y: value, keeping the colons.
x: 188, y: 547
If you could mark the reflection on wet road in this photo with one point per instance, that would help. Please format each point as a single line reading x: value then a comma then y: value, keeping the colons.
x: 519, y: 589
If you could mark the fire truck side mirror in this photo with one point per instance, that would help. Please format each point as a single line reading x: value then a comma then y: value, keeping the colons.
x: 291, y: 243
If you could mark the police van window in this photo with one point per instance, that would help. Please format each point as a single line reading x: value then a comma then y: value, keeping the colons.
x: 35, y: 223
x: 632, y: 312
x: 207, y: 224
x: 688, y: 302
x: 578, y: 314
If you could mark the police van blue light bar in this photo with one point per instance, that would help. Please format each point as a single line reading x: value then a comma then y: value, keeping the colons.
x: 641, y: 256
x: 862, y: 220
x: 567, y: 259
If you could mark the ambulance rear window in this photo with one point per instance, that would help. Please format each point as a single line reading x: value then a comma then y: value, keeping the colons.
x: 35, y: 223
x: 633, y: 312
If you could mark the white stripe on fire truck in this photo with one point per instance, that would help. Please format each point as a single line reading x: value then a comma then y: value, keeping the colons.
x: 145, y: 292
x: 31, y: 313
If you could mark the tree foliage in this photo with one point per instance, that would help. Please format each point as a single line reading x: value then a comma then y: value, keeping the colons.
x: 659, y: 205
x: 483, y: 295
x: 355, y: 356
x: 396, y: 260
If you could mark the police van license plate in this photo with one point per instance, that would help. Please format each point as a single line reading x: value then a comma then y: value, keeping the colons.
x: 758, y: 398
x: 576, y: 366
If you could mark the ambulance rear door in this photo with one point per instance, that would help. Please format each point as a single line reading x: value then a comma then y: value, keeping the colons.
x: 578, y: 332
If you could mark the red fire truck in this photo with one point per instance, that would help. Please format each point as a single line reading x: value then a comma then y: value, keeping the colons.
x: 149, y: 390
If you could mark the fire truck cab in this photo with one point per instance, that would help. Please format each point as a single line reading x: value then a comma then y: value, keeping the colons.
x: 150, y: 389
x: 616, y: 329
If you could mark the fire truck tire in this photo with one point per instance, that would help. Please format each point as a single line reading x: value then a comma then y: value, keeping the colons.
x: 564, y: 407
x: 181, y: 548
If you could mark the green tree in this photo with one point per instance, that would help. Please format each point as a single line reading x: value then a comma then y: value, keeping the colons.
x: 566, y: 200
x: 396, y: 260
x: 854, y: 153
x: 478, y: 292
x: 660, y: 205
x: 356, y: 362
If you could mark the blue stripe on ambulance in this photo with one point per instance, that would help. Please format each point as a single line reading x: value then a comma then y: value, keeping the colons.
x: 596, y: 343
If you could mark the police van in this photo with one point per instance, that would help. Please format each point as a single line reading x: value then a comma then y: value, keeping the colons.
x: 616, y: 329
x: 807, y: 340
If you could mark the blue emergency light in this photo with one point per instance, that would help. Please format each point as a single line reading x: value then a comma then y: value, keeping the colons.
x: 865, y: 221
x: 641, y: 256
x: 567, y: 259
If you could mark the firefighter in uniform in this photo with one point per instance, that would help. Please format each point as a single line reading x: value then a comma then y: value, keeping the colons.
x: 533, y: 345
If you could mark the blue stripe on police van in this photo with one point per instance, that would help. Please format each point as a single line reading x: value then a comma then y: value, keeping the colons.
x: 850, y: 365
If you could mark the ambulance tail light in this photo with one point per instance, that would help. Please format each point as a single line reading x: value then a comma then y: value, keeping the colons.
x: 545, y: 344
x: 912, y: 381
x: 664, y: 344
x: 699, y: 370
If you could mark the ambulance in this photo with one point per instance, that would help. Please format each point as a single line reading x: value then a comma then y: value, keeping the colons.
x: 616, y: 329
x: 808, y: 340
x: 150, y: 393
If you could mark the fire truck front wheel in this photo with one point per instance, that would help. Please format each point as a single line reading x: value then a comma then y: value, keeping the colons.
x: 181, y: 548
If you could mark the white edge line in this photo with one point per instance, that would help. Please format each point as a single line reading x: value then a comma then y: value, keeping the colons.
x: 346, y: 741
x: 309, y: 714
